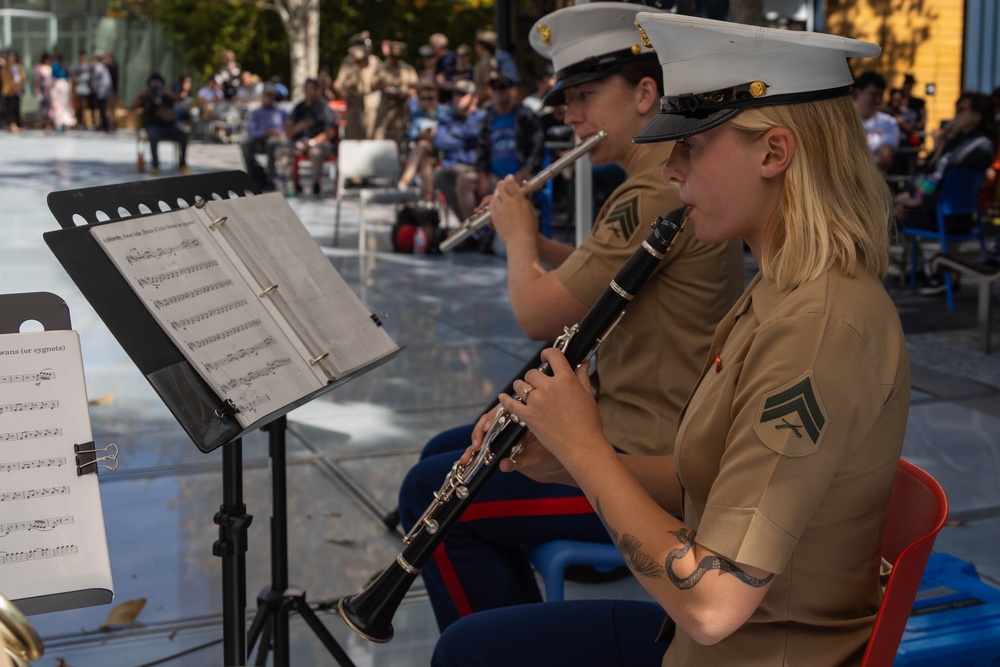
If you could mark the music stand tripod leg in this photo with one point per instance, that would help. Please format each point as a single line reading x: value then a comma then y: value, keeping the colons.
x: 275, y: 600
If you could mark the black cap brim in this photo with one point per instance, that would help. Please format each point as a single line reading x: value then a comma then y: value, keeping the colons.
x: 670, y: 126
x: 557, y: 95
x: 590, y: 69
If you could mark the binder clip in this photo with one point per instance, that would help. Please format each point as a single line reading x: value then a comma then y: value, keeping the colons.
x: 88, y: 461
x: 228, y: 409
x: 377, y: 319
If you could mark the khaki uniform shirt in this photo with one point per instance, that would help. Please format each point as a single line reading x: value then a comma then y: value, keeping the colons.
x: 349, y: 80
x: 786, y: 453
x: 394, y: 108
x: 650, y: 363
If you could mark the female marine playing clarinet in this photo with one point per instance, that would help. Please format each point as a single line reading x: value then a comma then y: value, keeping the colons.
x: 786, y: 450
x: 607, y: 81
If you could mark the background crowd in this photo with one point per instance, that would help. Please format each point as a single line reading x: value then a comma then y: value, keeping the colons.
x: 463, y: 117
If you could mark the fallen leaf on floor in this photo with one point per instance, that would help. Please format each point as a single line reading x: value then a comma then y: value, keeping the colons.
x: 343, y: 543
x: 123, y: 614
x: 103, y: 400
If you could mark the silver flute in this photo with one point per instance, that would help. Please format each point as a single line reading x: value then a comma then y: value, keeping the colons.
x: 478, y: 220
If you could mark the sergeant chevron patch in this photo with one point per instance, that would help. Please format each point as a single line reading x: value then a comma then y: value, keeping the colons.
x: 791, y: 419
x: 623, y: 219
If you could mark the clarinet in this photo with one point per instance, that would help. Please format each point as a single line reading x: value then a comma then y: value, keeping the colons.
x: 370, y: 612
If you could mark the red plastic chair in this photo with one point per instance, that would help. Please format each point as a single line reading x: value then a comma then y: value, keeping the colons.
x: 917, y: 512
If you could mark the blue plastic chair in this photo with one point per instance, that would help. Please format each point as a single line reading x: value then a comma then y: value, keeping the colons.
x: 552, y: 558
x: 958, y: 195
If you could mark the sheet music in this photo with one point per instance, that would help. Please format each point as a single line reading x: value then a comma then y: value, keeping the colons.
x: 216, y: 319
x: 52, y: 537
x: 278, y: 250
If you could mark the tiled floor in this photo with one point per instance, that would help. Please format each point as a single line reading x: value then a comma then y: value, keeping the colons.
x: 348, y: 450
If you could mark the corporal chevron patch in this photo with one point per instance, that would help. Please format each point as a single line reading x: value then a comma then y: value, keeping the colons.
x: 623, y: 220
x: 791, y: 419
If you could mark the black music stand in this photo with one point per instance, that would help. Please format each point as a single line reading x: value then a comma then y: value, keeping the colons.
x: 189, y: 397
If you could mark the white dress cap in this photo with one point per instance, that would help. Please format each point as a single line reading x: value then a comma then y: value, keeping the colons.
x: 587, y: 42
x: 714, y: 69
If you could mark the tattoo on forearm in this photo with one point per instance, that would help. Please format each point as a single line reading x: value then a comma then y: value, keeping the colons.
x: 631, y: 548
x: 686, y: 538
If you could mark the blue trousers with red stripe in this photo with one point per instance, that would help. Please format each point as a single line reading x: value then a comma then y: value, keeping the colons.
x: 482, y: 562
x: 609, y: 633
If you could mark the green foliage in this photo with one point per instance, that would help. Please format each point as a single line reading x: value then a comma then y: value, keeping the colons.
x: 203, y: 30
x: 409, y: 21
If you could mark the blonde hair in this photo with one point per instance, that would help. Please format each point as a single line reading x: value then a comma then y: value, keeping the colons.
x: 835, y: 207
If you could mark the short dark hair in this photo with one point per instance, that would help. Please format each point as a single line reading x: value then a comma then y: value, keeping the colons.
x: 640, y: 68
x: 313, y: 81
x: 869, y: 78
x: 982, y: 105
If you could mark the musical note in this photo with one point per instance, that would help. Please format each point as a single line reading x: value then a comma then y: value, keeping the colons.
x: 204, y: 315
x: 43, y: 525
x: 255, y: 374
x: 155, y: 280
x: 134, y: 256
x: 8, y: 557
x: 251, y: 406
x: 33, y: 405
x: 241, y: 353
x: 222, y: 335
x: 190, y: 294
x: 31, y: 435
x: 34, y: 493
x: 36, y: 463
x: 36, y: 378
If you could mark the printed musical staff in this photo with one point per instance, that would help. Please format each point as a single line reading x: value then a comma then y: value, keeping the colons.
x: 34, y: 493
x: 35, y: 378
x: 135, y: 256
x: 31, y: 435
x: 251, y: 406
x: 222, y: 335
x: 190, y: 294
x: 54, y: 462
x: 156, y: 280
x: 241, y: 353
x: 248, y: 379
x: 43, y: 525
x: 32, y: 405
x: 8, y: 557
x: 206, y: 314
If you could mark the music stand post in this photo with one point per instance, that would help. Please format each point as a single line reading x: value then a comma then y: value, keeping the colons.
x: 192, y: 401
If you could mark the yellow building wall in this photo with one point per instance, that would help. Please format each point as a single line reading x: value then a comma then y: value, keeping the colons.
x: 921, y: 37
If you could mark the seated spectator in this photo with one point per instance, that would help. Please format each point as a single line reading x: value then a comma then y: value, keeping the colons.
x: 456, y: 140
x: 545, y: 81
x: 312, y: 129
x: 444, y: 66
x: 967, y: 142
x: 487, y: 45
x: 424, y: 121
x: 511, y: 141
x: 265, y: 134
x: 881, y: 129
x: 249, y: 90
x: 209, y: 96
x: 157, y: 104
x: 181, y: 89
x: 463, y: 62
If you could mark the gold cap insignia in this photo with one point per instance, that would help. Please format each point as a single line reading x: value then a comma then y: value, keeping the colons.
x: 546, y: 34
x: 636, y: 49
x: 643, y: 37
x: 758, y: 88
